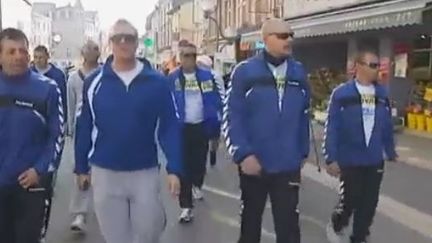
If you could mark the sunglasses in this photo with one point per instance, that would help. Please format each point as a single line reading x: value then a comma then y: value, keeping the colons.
x: 126, y: 38
x: 372, y: 65
x: 284, y: 36
x: 189, y: 55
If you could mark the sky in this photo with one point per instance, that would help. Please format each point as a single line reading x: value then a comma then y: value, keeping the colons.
x: 135, y: 11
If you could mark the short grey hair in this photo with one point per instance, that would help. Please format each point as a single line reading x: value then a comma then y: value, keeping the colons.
x: 123, y: 22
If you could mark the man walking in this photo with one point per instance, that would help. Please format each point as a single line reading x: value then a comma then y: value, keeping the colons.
x: 122, y: 105
x: 31, y: 139
x: 266, y: 124
x: 358, y: 130
x: 81, y: 193
x: 43, y: 67
x: 199, y: 103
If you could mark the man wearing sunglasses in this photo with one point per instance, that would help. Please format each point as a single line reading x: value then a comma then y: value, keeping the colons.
x: 358, y: 130
x: 199, y: 103
x: 81, y: 193
x: 266, y: 124
x: 123, y: 103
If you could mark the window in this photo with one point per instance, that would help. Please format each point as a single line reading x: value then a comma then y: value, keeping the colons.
x: 421, y: 59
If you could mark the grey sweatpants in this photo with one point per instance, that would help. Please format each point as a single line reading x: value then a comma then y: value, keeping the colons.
x: 128, y: 205
x: 80, y: 200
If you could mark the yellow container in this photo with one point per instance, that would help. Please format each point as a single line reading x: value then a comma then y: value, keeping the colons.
x: 421, y: 122
x: 429, y: 124
x: 411, y: 123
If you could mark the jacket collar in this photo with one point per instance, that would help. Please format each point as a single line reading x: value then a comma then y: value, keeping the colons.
x: 108, y: 70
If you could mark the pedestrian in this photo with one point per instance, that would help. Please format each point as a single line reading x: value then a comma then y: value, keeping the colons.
x: 81, y: 195
x: 42, y: 66
x: 206, y: 62
x: 266, y: 123
x: 122, y: 105
x: 31, y: 137
x: 199, y: 103
x: 358, y: 130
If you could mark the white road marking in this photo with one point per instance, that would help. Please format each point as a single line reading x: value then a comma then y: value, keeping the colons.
x: 399, y: 212
x: 417, y: 162
x: 230, y: 195
x: 235, y: 223
x: 403, y: 148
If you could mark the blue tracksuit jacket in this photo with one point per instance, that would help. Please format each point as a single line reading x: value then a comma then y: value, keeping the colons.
x: 255, y: 125
x: 344, y: 140
x: 31, y: 125
x: 59, y: 77
x: 116, y: 125
x: 212, y: 99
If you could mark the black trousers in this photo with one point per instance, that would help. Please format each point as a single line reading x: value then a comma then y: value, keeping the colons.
x: 21, y: 214
x: 48, y: 181
x: 195, y: 150
x: 359, y: 194
x: 283, y: 190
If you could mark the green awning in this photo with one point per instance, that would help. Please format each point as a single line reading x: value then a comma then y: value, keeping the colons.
x: 369, y: 17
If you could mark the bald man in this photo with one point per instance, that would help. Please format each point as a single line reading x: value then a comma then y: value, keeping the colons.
x: 123, y: 103
x: 81, y: 195
x: 266, y: 124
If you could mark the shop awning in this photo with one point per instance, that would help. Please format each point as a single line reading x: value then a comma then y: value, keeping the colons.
x: 370, y: 17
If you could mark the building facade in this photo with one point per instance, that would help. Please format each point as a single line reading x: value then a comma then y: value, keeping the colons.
x: 74, y: 25
x: 17, y: 14
x: 398, y: 30
x: 41, y: 31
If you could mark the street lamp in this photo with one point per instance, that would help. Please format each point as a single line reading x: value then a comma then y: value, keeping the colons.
x: 209, y: 6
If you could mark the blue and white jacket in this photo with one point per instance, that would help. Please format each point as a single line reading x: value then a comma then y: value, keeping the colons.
x: 31, y: 125
x: 59, y: 77
x: 211, y: 94
x: 344, y: 139
x: 254, y: 123
x: 116, y: 124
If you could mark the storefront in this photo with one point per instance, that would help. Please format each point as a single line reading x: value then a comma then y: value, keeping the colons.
x: 399, y: 31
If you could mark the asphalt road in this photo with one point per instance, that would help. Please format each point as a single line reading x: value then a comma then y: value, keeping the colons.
x: 404, y: 214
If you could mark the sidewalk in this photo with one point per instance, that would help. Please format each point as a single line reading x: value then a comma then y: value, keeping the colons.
x: 414, y: 148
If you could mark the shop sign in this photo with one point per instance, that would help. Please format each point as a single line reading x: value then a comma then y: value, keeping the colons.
x: 366, y: 23
x: 259, y: 45
x: 384, y: 70
x: 383, y: 20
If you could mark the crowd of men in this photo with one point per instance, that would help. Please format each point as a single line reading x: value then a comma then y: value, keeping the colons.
x: 114, y: 111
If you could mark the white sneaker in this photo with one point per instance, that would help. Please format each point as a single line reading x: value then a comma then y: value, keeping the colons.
x: 78, y: 224
x: 197, y: 193
x: 332, y: 235
x: 186, y: 216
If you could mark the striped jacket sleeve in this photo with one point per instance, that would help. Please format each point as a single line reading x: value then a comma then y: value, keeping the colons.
x: 169, y: 131
x: 331, y: 129
x: 85, y: 129
x: 234, y: 115
x: 51, y: 155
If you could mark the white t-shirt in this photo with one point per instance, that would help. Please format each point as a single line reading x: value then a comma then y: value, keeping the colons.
x: 43, y: 71
x: 194, y: 107
x: 367, y: 94
x: 279, y: 74
x: 128, y: 76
